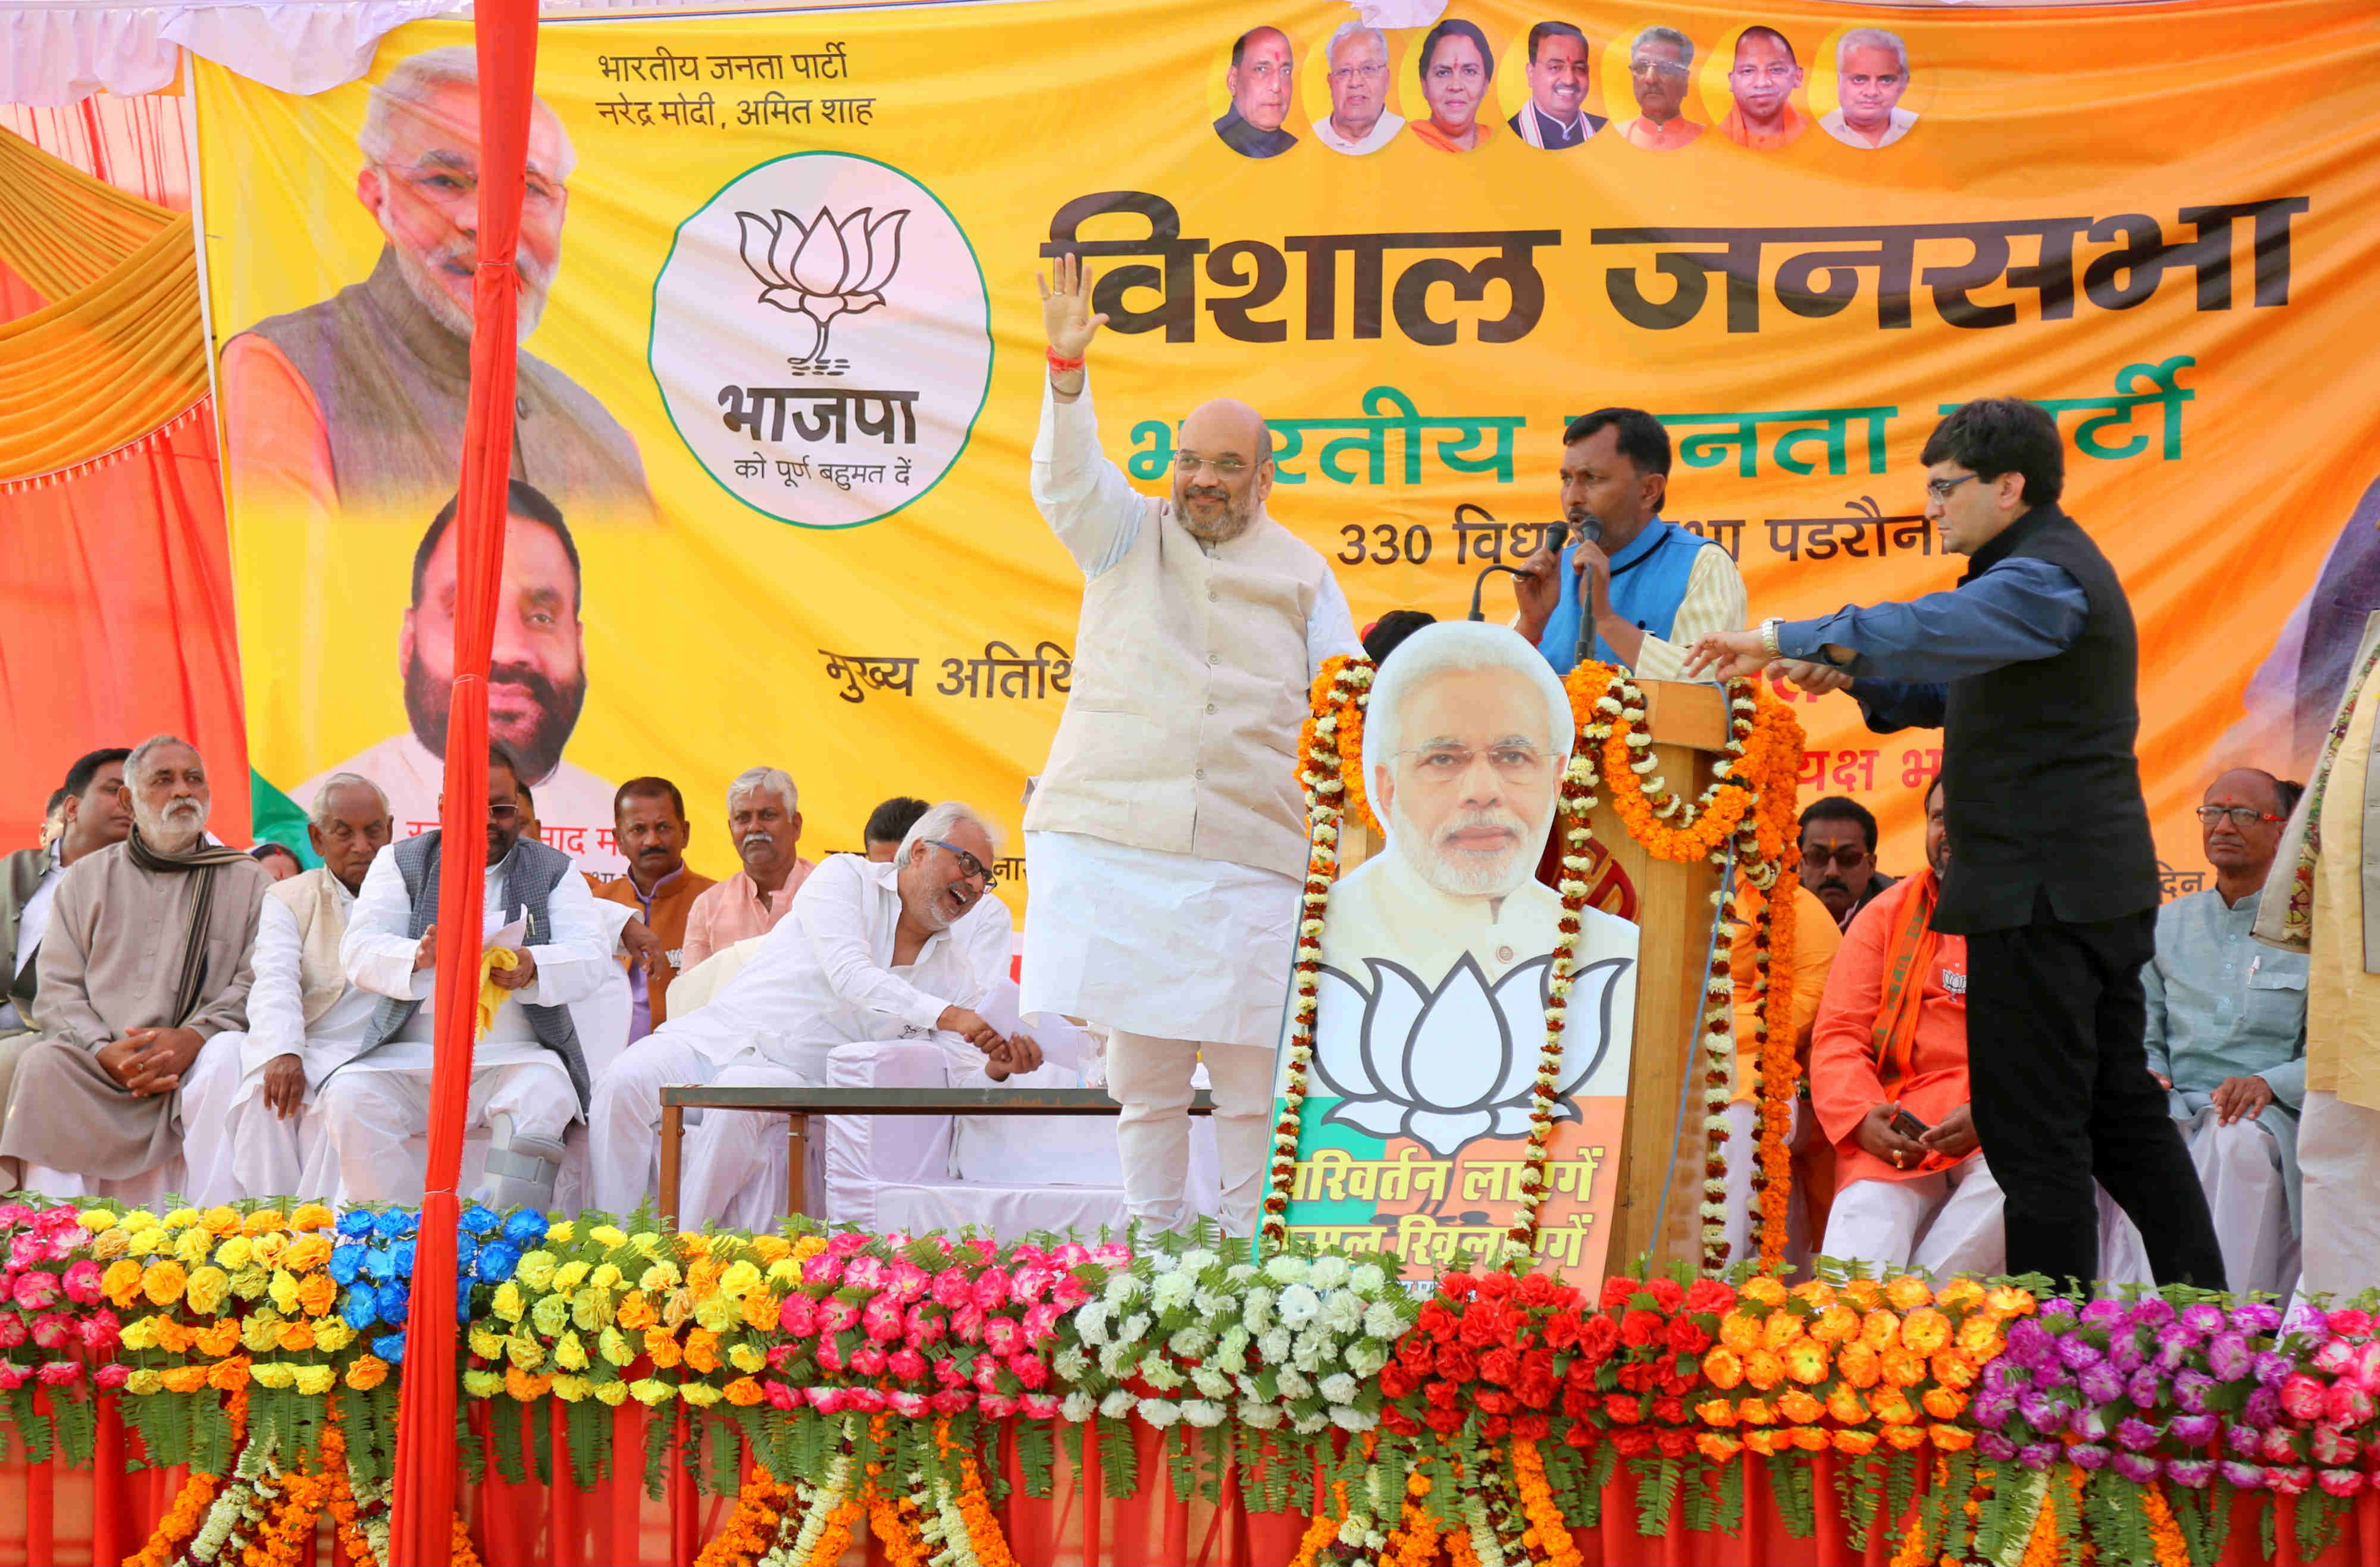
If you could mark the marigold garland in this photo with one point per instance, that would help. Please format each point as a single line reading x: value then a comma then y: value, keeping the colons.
x: 2165, y: 1532
x: 1548, y: 1539
x: 1773, y: 930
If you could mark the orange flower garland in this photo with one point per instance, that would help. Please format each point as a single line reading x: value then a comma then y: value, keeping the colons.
x: 1773, y: 932
x: 2165, y: 1534
x: 181, y: 1521
x: 1548, y: 1539
x: 759, y: 1509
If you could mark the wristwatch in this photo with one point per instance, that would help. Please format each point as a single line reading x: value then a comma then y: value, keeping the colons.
x: 1768, y: 637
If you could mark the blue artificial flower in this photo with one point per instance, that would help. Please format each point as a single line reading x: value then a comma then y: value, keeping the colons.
x: 391, y: 1222
x: 404, y: 1259
x: 466, y: 1246
x: 392, y: 1300
x: 496, y: 1261
x: 360, y: 1309
x: 390, y: 1347
x: 480, y: 1220
x: 463, y: 1299
x: 346, y: 1261
x: 524, y: 1228
x: 380, y: 1263
x: 356, y: 1223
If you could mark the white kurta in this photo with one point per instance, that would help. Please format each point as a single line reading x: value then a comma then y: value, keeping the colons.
x: 375, y: 1106
x: 574, y: 806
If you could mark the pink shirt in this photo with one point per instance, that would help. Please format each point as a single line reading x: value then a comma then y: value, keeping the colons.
x: 729, y: 911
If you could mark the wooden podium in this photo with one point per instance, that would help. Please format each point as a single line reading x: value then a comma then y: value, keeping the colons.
x: 1662, y: 1150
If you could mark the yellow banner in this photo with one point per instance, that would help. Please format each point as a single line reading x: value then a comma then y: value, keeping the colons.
x: 785, y: 365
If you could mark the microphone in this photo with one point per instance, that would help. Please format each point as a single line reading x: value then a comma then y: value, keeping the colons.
x: 1556, y: 535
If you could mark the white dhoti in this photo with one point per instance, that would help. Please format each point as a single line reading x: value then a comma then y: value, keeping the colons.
x: 209, y: 1088
x: 371, y: 1116
x: 624, y: 1118
x: 735, y: 1174
x: 2239, y: 1165
x: 2339, y: 1162
x: 1180, y: 960
x: 1948, y: 1222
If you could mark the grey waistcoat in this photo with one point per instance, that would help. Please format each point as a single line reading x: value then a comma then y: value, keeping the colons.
x: 531, y: 872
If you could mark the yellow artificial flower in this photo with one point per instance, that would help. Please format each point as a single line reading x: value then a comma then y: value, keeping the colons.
x: 693, y: 1243
x: 525, y: 1352
x: 315, y: 1381
x: 1765, y: 1288
x: 283, y: 1291
x: 809, y: 1246
x: 770, y: 1248
x: 220, y: 1221
x: 747, y: 1357
x: 138, y: 1334
x: 180, y: 1219
x: 482, y: 1384
x: 163, y: 1282
x: 703, y: 1395
x: 569, y: 1276
x: 678, y: 1309
x: 570, y: 1353
x: 485, y: 1342
x: 536, y: 1269
x: 306, y: 1253
x: 551, y: 1315
x: 650, y: 1391
x: 507, y: 1303
x: 607, y: 1235
x: 269, y: 1248
x: 570, y: 1390
x: 331, y: 1334
x: 275, y: 1374
x: 702, y: 1274
x: 249, y: 1281
x: 109, y: 1245
x: 232, y: 1256
x: 738, y: 1280
x: 658, y: 1279
x: 263, y: 1221
x: 95, y: 1220
x: 784, y: 1270
x: 646, y: 1242
x: 760, y: 1310
x: 144, y: 1382
x: 614, y: 1347
x: 312, y: 1216
x: 561, y: 1233
x: 260, y: 1332
x: 193, y: 1247
x: 605, y: 1277
x: 718, y: 1314
x: 612, y: 1393
x: 149, y: 1242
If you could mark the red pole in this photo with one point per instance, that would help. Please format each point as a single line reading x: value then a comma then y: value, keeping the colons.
x: 424, y: 1502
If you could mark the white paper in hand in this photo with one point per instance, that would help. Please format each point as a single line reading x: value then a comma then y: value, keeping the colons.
x: 510, y: 936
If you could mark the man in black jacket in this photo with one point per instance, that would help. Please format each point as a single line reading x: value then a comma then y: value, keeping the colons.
x: 2029, y: 668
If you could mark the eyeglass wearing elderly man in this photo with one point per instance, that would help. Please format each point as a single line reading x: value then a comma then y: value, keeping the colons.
x: 1660, y: 66
x: 1359, y: 121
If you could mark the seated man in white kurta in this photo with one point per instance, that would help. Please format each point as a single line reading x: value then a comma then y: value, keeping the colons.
x: 870, y: 952
x: 304, y: 1019
x: 529, y: 1077
x: 1467, y: 734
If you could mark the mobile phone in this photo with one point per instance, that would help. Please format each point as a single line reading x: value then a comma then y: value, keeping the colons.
x: 1908, y: 1125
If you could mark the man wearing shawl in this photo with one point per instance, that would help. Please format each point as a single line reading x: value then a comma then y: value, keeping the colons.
x: 145, y: 962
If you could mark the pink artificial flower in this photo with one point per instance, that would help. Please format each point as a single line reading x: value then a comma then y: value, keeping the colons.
x: 2335, y: 1358
x: 2349, y: 1404
x: 907, y: 1282
x: 991, y: 1289
x: 780, y: 1354
x: 1041, y: 1322
x: 826, y: 1401
x: 53, y: 1329
x: 1042, y: 1406
x: 100, y: 1332
x: 882, y: 1320
x: 2291, y: 1480
x: 837, y: 1316
x: 950, y: 1373
x: 987, y: 1374
x: 13, y: 1376
x: 781, y: 1397
x: 952, y: 1288
x: 906, y: 1364
x: 925, y: 1327
x: 846, y: 1243
x: 830, y: 1359
x: 2367, y: 1366
x: 951, y: 1401
x: 966, y: 1324
x: 1001, y: 1335
x: 1114, y: 1256
x: 999, y: 1406
x: 62, y: 1227
x: 2280, y: 1445
x: 36, y: 1291
x: 12, y: 1330
x: 1026, y: 1285
x: 2341, y: 1482
x: 61, y: 1373
x: 866, y: 1272
x: 1070, y: 1256
x: 1069, y: 1292
x: 13, y: 1214
x: 30, y: 1250
x: 2351, y: 1323
x: 1026, y: 1255
x: 82, y: 1281
x: 2302, y: 1396
x: 868, y: 1361
x: 898, y: 1240
x: 1029, y: 1369
x: 986, y: 1250
x: 823, y: 1270
x: 867, y: 1400
x: 914, y: 1406
x: 110, y: 1376
x: 2332, y: 1446
x: 798, y: 1316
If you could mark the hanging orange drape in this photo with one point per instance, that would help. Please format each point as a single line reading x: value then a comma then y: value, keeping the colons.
x: 424, y: 1503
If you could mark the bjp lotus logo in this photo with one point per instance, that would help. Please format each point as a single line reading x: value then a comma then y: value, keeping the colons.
x: 824, y: 269
x: 1444, y: 1066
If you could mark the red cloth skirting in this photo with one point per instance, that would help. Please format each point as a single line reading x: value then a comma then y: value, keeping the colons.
x: 53, y: 1515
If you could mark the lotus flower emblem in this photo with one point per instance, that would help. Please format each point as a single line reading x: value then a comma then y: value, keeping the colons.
x: 1444, y: 1066
x: 826, y: 268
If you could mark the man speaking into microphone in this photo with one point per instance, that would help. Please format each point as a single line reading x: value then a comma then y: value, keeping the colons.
x: 1630, y: 589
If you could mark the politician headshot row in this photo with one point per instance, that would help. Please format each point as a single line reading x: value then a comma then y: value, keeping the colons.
x: 1455, y: 67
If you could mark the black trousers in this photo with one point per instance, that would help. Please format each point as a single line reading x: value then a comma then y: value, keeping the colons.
x: 2062, y: 1098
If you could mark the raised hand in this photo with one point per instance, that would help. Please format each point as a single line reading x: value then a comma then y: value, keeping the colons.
x: 1066, y: 317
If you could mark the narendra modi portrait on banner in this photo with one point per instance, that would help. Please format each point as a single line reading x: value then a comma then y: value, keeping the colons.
x: 1437, y: 956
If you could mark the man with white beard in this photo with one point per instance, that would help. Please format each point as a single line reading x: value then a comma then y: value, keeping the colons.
x: 356, y: 405
x: 1465, y: 741
x: 144, y: 968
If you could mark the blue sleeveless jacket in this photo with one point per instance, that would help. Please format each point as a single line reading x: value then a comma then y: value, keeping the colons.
x: 1649, y: 582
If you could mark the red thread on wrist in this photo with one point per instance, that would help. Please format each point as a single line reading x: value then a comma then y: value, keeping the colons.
x: 1060, y: 363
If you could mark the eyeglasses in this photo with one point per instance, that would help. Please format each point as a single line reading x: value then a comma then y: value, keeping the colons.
x: 1188, y: 463
x: 504, y: 812
x: 1645, y: 65
x: 1842, y: 855
x: 1363, y: 73
x: 1940, y: 488
x: 968, y: 863
x: 1445, y: 764
x: 2242, y: 816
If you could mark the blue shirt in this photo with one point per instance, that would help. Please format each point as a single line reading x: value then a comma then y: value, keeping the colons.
x: 1905, y: 655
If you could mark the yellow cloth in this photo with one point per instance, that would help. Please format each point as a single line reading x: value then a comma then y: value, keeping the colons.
x: 119, y: 350
x: 2343, y: 1002
x: 492, y: 995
